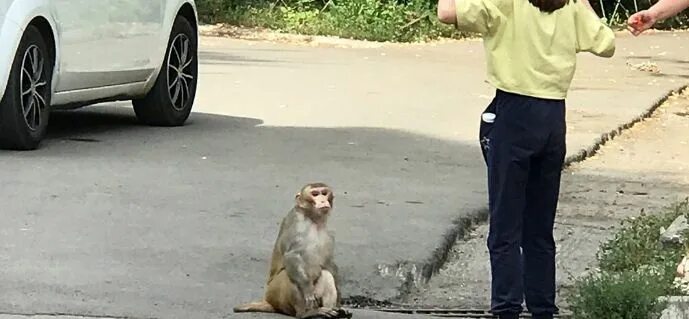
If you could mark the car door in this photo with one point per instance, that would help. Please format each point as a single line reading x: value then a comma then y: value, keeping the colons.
x: 105, y: 43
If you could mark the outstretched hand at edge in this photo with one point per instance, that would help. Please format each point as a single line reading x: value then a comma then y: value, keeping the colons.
x: 640, y: 22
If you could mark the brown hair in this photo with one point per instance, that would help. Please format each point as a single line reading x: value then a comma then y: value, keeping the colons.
x: 549, y: 5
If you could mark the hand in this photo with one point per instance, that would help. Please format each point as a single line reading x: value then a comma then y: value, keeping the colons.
x: 641, y: 21
x: 311, y: 301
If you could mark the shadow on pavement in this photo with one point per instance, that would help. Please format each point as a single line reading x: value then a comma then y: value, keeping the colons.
x: 590, y: 211
x: 217, y: 58
x: 110, y: 119
x: 113, y: 217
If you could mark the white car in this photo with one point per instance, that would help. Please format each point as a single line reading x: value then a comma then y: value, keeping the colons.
x: 72, y: 53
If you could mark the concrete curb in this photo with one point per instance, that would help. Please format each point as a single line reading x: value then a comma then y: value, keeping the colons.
x: 605, y: 137
x: 677, y: 307
x: 465, y: 224
x: 461, y: 227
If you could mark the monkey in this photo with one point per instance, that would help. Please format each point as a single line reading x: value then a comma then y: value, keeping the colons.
x: 303, y: 277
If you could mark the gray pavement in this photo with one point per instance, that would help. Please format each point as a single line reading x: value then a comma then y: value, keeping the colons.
x: 434, y: 90
x: 356, y: 313
x: 113, y: 218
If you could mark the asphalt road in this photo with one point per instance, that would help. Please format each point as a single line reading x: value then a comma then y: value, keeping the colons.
x: 113, y: 218
x: 110, y: 217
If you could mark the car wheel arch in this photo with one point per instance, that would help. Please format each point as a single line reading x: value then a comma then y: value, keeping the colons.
x: 185, y: 9
x: 48, y: 32
x: 15, y: 30
x: 188, y: 11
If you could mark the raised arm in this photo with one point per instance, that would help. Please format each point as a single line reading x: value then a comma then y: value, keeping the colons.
x: 478, y: 16
x: 592, y: 35
x: 447, y: 12
x: 663, y: 9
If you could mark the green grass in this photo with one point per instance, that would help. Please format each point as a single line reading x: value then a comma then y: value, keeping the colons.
x: 635, y: 270
x: 623, y: 295
x: 375, y: 20
x: 637, y: 243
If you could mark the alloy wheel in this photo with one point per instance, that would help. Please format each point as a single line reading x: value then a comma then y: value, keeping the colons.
x: 180, y: 78
x: 33, y: 85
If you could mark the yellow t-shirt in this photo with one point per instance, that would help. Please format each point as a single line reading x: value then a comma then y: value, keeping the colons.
x: 530, y: 52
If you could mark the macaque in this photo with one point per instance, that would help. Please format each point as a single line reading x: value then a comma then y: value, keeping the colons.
x: 303, y: 280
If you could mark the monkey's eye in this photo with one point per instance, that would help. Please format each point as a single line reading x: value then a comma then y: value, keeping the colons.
x: 324, y: 193
x: 314, y: 193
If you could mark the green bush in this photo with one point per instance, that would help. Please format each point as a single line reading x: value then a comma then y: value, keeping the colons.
x: 378, y: 20
x: 638, y: 243
x: 635, y: 271
x: 624, y: 295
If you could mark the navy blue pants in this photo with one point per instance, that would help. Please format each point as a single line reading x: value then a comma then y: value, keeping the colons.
x: 524, y: 149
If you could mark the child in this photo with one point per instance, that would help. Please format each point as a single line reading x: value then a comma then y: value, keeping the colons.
x: 531, y: 48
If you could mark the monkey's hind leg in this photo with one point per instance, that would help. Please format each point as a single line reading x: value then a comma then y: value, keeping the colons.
x: 282, y: 294
x: 326, y: 291
x: 286, y: 298
x: 274, y: 299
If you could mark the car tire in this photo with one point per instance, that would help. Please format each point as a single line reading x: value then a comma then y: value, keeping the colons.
x: 170, y: 100
x: 25, y: 107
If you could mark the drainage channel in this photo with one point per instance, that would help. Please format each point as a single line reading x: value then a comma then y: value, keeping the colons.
x: 456, y: 313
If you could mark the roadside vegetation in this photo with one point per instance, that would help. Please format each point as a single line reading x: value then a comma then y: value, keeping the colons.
x: 635, y: 270
x: 375, y: 20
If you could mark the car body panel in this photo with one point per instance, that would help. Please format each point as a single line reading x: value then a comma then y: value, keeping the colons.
x: 103, y: 52
x: 4, y: 5
x: 106, y: 44
x: 10, y: 35
x: 171, y: 11
x: 18, y: 14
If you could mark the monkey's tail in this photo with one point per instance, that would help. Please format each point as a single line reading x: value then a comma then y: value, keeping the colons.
x: 259, y: 306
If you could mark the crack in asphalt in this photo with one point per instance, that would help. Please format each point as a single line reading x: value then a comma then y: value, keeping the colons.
x: 466, y: 224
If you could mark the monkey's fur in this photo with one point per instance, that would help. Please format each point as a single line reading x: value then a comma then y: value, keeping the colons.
x: 303, y: 278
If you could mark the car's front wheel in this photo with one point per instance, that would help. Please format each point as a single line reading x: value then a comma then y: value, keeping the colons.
x: 170, y: 100
x: 25, y: 107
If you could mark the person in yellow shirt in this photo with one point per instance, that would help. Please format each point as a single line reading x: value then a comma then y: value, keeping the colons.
x: 530, y: 48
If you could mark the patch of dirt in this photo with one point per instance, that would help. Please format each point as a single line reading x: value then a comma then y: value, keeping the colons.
x: 647, y: 66
x: 644, y: 169
x: 273, y: 36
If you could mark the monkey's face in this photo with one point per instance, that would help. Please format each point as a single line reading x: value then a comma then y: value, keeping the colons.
x: 321, y: 198
x: 318, y: 200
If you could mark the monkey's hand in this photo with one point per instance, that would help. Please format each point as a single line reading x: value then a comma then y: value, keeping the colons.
x: 294, y: 265
x: 311, y: 301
